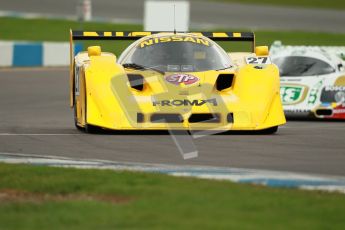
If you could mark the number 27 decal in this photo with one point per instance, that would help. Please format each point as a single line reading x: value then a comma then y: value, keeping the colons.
x: 258, y: 60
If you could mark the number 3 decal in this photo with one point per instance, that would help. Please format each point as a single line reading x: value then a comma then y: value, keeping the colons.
x: 258, y: 60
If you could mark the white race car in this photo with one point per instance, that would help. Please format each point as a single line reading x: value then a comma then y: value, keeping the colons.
x: 312, y: 80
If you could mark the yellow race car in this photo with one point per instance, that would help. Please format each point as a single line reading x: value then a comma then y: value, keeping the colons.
x: 174, y: 81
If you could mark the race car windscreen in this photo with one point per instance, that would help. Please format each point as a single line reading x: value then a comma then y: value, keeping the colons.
x: 177, y: 54
x: 302, y: 66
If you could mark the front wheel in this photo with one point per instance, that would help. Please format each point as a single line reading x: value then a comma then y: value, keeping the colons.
x: 92, y: 129
x: 271, y: 130
x: 87, y: 128
x: 75, y: 118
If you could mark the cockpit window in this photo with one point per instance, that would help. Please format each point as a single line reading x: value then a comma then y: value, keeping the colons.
x: 177, y: 54
x: 302, y: 66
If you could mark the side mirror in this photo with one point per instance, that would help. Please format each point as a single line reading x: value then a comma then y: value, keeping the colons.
x: 340, y: 67
x: 94, y: 51
x: 261, y: 51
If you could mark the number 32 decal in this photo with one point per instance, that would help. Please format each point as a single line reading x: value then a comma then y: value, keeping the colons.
x: 258, y: 60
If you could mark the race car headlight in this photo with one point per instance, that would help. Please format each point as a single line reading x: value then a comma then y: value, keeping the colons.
x: 224, y: 81
x: 136, y: 81
x: 340, y: 97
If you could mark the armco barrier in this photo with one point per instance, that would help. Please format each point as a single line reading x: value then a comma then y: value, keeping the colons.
x: 26, y: 54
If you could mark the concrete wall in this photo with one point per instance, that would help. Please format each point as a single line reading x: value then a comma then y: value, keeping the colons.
x: 26, y: 54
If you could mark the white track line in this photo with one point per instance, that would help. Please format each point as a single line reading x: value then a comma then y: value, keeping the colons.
x: 252, y: 176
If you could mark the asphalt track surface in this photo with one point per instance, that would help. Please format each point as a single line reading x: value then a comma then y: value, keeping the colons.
x: 35, y: 119
x: 203, y: 14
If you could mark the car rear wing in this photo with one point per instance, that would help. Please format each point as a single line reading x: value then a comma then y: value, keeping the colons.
x: 134, y: 35
x: 118, y: 35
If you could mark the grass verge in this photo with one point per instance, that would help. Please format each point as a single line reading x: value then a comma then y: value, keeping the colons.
x: 330, y: 4
x: 58, y: 30
x: 38, y: 197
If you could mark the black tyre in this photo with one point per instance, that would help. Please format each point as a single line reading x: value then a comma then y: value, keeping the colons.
x: 271, y: 130
x: 75, y: 119
x: 92, y: 129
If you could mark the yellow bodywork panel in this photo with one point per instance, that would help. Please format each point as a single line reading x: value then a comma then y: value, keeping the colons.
x: 106, y: 98
x: 240, y: 97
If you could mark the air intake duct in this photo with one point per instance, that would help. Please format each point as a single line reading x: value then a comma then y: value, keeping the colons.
x: 224, y: 81
x: 136, y: 81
